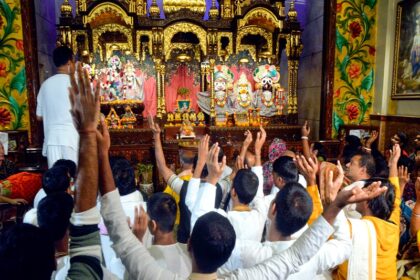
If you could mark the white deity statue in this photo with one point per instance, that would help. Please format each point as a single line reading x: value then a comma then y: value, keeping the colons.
x: 133, y: 85
x: 243, y: 93
x: 267, y: 83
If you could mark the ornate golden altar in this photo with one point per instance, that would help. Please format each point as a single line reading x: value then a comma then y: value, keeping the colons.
x: 185, y: 33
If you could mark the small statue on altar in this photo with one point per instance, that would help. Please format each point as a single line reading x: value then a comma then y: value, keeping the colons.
x: 178, y: 116
x: 169, y: 119
x: 187, y: 130
x: 243, y: 92
x: 128, y: 119
x: 185, y: 116
x: 193, y: 117
x: 113, y: 120
x: 267, y: 83
x: 201, y: 118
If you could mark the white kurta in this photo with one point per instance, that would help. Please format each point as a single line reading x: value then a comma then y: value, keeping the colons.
x: 173, y: 257
x: 61, y: 139
x: 278, y: 267
x: 248, y: 225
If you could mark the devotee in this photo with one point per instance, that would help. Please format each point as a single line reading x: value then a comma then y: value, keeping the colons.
x: 376, y: 236
x: 275, y: 150
x: 53, y: 216
x: 169, y: 254
x: 248, y: 221
x: 53, y: 108
x: 290, y: 212
x: 130, y: 196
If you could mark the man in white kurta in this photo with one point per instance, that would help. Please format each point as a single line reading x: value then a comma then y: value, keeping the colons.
x: 61, y: 139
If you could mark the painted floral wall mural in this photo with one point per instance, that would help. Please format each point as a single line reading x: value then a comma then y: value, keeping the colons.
x: 354, y: 62
x: 13, y: 95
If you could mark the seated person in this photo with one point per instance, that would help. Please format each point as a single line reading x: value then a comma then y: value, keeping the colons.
x: 53, y: 217
x: 7, y: 167
x: 20, y: 188
x: 50, y: 180
x: 54, y: 180
x: 169, y: 254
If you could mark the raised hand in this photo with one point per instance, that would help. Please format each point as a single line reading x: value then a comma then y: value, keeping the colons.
x: 372, y: 139
x: 84, y: 104
x: 154, y: 127
x: 357, y: 194
x: 332, y: 187
x: 306, y: 130
x: 214, y: 168
x: 103, y: 138
x: 260, y: 140
x: 403, y: 177
x: 239, y: 164
x: 248, y: 138
x: 139, y: 226
x: 395, y: 154
x: 203, y: 150
x: 308, y: 168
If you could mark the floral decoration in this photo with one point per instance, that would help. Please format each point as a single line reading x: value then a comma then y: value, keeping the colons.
x: 354, y: 62
x: 13, y: 95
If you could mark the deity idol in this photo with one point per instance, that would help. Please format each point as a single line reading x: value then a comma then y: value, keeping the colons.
x: 111, y: 86
x: 267, y: 83
x: 243, y: 94
x: 222, y: 85
x: 133, y: 85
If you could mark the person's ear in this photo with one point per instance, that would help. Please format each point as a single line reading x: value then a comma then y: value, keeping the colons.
x: 152, y: 227
x: 272, y: 211
x: 233, y: 192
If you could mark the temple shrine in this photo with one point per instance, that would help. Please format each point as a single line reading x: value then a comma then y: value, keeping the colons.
x: 198, y: 67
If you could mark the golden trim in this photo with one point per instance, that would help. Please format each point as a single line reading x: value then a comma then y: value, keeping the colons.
x: 170, y: 31
x: 97, y: 32
x: 140, y: 33
x: 259, y: 12
x: 107, y: 7
x: 254, y: 30
x: 229, y: 47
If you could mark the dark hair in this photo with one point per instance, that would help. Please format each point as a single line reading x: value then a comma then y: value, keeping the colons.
x: 54, y: 213
x: 353, y: 141
x: 212, y: 240
x: 381, y: 165
x: 321, y: 150
x: 69, y: 164
x: 62, y: 55
x: 161, y: 208
x: 123, y: 174
x: 294, y: 207
x: 245, y: 184
x: 186, y: 157
x: 26, y: 252
x: 368, y: 161
x: 406, y: 162
x: 286, y: 168
x: 56, y: 179
x: 403, y: 139
x: 383, y: 205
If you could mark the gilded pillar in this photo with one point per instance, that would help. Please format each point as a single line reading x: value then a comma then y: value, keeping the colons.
x: 293, y: 51
x: 162, y: 96
x: 212, y: 105
x: 158, y: 87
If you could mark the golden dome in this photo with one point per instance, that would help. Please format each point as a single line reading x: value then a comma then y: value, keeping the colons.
x: 196, y: 6
x: 66, y: 9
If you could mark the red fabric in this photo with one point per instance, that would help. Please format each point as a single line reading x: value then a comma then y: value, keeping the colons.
x: 150, y: 98
x: 23, y: 185
x: 238, y: 70
x: 181, y: 78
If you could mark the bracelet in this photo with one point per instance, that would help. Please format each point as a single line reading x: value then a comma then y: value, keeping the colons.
x: 304, y: 138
